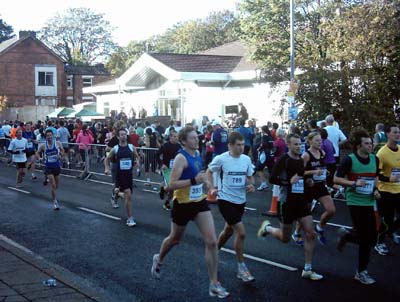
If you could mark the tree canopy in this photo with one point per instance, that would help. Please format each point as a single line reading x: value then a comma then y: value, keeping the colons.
x: 186, y: 37
x: 347, y: 53
x: 79, y: 36
x: 6, y: 31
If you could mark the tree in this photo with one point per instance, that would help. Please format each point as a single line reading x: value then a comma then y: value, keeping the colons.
x: 344, y: 49
x: 6, y: 31
x: 79, y: 36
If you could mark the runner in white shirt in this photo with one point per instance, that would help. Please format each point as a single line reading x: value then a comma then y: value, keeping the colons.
x: 18, y: 148
x: 236, y: 179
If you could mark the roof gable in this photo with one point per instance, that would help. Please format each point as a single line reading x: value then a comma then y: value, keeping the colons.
x: 198, y: 63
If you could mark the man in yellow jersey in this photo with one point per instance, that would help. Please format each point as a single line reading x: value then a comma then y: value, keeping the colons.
x: 187, y: 180
x: 389, y: 187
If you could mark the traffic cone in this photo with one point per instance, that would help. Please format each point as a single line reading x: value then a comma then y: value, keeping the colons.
x: 273, y: 210
x: 377, y: 217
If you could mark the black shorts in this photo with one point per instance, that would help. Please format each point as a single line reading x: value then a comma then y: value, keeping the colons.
x: 316, y: 191
x: 52, y: 171
x: 124, y: 181
x: 30, y: 153
x: 182, y: 213
x: 21, y: 165
x: 291, y: 211
x: 231, y: 212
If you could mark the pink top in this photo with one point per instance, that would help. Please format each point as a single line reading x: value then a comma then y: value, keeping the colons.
x: 84, y: 140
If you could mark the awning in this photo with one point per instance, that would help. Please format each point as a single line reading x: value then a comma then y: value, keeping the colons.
x: 61, y: 112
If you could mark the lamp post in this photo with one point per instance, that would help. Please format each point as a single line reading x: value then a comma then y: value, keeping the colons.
x: 292, y: 62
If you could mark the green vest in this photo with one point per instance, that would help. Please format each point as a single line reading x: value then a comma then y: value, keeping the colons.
x: 361, y: 196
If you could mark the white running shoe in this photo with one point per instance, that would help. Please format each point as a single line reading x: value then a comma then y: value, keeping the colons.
x: 262, y: 187
x: 382, y: 249
x: 55, y: 205
x: 155, y: 268
x: 216, y: 290
x: 364, y: 278
x: 311, y: 275
x: 130, y: 222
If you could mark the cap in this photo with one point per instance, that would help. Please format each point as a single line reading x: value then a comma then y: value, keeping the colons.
x: 215, y: 122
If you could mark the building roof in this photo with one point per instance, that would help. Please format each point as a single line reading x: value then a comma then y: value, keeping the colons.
x: 98, y: 69
x: 235, y: 48
x: 198, y: 63
x: 7, y: 43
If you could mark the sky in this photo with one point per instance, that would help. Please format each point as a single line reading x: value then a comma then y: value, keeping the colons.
x: 133, y: 19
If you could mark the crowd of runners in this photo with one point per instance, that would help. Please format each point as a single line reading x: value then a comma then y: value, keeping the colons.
x: 210, y: 159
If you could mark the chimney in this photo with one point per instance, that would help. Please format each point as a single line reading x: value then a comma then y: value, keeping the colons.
x: 27, y: 33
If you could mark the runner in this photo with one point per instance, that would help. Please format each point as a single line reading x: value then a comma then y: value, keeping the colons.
x: 167, y: 153
x: 389, y: 187
x: 30, y: 150
x: 18, y: 148
x: 315, y: 188
x: 123, y: 155
x: 288, y: 174
x: 358, y: 171
x: 64, y: 137
x: 52, y: 152
x: 236, y: 172
x: 187, y: 181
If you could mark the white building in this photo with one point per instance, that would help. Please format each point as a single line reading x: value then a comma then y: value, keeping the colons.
x: 188, y: 87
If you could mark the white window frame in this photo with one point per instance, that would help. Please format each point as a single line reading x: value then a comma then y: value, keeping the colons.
x: 85, y: 78
x: 46, y: 74
x: 70, y: 82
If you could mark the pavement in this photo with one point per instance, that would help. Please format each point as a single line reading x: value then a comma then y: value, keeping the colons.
x: 22, y: 274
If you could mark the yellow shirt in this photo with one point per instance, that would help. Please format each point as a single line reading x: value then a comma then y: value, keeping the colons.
x: 190, y: 194
x: 389, y: 162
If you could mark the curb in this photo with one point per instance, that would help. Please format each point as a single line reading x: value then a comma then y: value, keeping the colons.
x: 63, y: 275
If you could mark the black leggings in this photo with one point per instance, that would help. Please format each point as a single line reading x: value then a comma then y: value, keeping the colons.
x: 387, y: 206
x: 363, y: 232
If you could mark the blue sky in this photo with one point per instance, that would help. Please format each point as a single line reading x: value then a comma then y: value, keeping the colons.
x: 133, y: 19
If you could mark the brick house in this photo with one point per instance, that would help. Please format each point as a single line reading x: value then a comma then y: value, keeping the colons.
x: 35, y: 80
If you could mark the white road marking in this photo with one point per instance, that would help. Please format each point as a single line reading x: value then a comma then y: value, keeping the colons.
x: 99, y: 213
x: 14, y: 244
x: 150, y: 191
x: 101, y: 182
x: 70, y: 176
x: 250, y: 209
x: 286, y: 267
x: 19, y: 190
x: 336, y: 225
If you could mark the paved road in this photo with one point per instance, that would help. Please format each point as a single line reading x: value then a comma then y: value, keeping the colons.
x: 110, y: 255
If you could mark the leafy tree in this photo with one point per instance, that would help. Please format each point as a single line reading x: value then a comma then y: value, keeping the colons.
x: 6, y: 31
x: 347, y: 52
x: 79, y: 36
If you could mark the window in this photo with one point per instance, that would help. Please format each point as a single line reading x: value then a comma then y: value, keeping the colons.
x: 87, y: 82
x: 45, y: 78
x: 70, y: 84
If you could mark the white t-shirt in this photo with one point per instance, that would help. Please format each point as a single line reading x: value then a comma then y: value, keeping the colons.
x: 7, y: 129
x: 63, y: 134
x: 235, y: 171
x: 19, y: 145
x: 335, y: 135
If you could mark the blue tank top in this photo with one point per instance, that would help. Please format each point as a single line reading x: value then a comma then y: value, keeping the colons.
x: 51, y: 156
x: 30, y: 137
x: 195, y: 165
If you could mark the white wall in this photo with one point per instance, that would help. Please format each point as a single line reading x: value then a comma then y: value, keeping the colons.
x: 45, y: 90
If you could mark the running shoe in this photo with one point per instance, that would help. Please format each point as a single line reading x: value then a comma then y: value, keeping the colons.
x: 364, y: 278
x: 155, y: 268
x: 130, y: 222
x: 55, y: 205
x: 216, y: 290
x: 298, y: 239
x: 311, y: 275
x: 114, y: 201
x: 262, y: 187
x: 341, y: 240
x: 245, y: 275
x: 320, y: 236
x: 382, y: 249
x: 340, y: 194
x: 34, y: 177
x: 167, y: 206
x: 262, y: 232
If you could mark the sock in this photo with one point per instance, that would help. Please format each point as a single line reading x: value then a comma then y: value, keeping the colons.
x: 241, y: 266
x: 268, y: 228
x: 307, y: 267
x: 319, y: 227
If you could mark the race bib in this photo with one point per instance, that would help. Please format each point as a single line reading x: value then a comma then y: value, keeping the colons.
x: 396, y: 173
x: 125, y: 164
x: 52, y: 158
x: 29, y: 145
x: 298, y: 187
x: 237, y: 181
x: 171, y: 163
x: 368, y: 188
x: 321, y: 177
x: 195, y: 192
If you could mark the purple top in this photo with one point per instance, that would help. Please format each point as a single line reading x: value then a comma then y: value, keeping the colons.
x: 280, y: 146
x: 327, y: 146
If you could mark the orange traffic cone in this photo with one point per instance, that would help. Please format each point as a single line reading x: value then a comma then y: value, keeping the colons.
x: 377, y: 217
x: 211, y: 197
x: 273, y: 210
